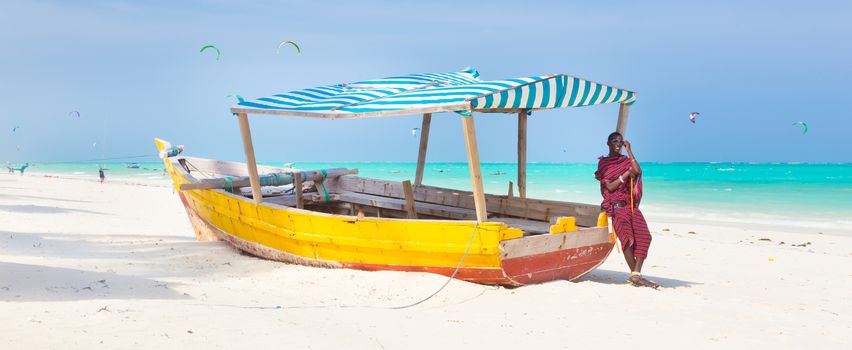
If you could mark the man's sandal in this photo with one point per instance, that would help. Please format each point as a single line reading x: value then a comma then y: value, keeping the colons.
x: 636, y: 280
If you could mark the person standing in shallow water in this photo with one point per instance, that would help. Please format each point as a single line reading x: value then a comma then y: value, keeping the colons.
x: 621, y: 187
x: 101, y: 174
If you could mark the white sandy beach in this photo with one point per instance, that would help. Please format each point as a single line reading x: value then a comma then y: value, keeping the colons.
x: 84, y: 265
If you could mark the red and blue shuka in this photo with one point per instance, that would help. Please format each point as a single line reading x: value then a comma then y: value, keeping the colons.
x: 622, y: 205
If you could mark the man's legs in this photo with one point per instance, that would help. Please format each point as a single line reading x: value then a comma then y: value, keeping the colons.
x: 624, y: 229
x: 636, y: 239
x: 628, y: 256
x: 642, y: 238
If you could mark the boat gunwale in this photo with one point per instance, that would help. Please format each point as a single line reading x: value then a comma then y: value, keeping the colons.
x: 174, y: 161
x: 180, y: 168
x: 505, y: 278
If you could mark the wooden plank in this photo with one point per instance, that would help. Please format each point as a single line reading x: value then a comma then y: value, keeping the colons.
x: 538, y: 209
x: 309, y: 175
x: 409, y: 199
x: 551, y: 242
x: 421, y: 154
x: 621, y: 127
x: 214, y: 168
x: 250, y: 162
x: 297, y: 188
x: 522, y: 154
x: 430, y: 209
x: 232, y: 185
x: 290, y: 200
x: 475, y: 171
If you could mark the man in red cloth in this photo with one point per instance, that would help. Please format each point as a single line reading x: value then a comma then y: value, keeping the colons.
x: 621, y: 187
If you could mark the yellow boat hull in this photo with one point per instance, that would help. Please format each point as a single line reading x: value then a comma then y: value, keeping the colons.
x: 498, y: 254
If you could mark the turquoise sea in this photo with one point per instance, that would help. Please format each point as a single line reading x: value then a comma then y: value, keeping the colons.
x: 732, y: 191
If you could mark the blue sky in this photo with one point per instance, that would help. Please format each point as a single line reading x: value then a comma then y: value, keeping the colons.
x: 134, y: 72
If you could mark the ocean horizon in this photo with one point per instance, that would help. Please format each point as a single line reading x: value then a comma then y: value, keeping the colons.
x: 733, y: 191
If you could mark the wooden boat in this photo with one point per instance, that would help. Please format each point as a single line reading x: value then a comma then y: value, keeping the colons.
x: 333, y: 218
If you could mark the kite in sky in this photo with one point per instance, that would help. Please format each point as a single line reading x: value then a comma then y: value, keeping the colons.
x: 278, y: 50
x: 804, y: 127
x: 692, y: 116
x: 414, y: 131
x: 205, y: 47
x: 15, y: 129
x: 74, y: 113
x: 238, y: 97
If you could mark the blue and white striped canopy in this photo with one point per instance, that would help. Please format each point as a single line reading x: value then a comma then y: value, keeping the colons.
x: 461, y: 92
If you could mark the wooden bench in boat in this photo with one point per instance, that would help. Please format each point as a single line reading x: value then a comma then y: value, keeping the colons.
x: 533, y: 216
x: 528, y: 226
x: 214, y: 168
x: 533, y: 209
x: 425, y: 208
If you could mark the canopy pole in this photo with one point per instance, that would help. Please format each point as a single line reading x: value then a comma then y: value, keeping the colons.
x: 522, y: 154
x: 621, y: 127
x: 475, y: 171
x: 297, y: 187
x: 409, y: 199
x: 424, y: 141
x: 250, y: 162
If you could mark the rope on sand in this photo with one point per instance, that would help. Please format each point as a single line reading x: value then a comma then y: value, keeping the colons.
x: 452, y: 276
x: 469, y: 243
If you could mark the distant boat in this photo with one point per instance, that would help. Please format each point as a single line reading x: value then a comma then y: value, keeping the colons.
x: 498, y: 172
x: 133, y: 165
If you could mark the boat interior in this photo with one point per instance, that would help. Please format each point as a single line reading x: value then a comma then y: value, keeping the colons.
x: 348, y: 194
